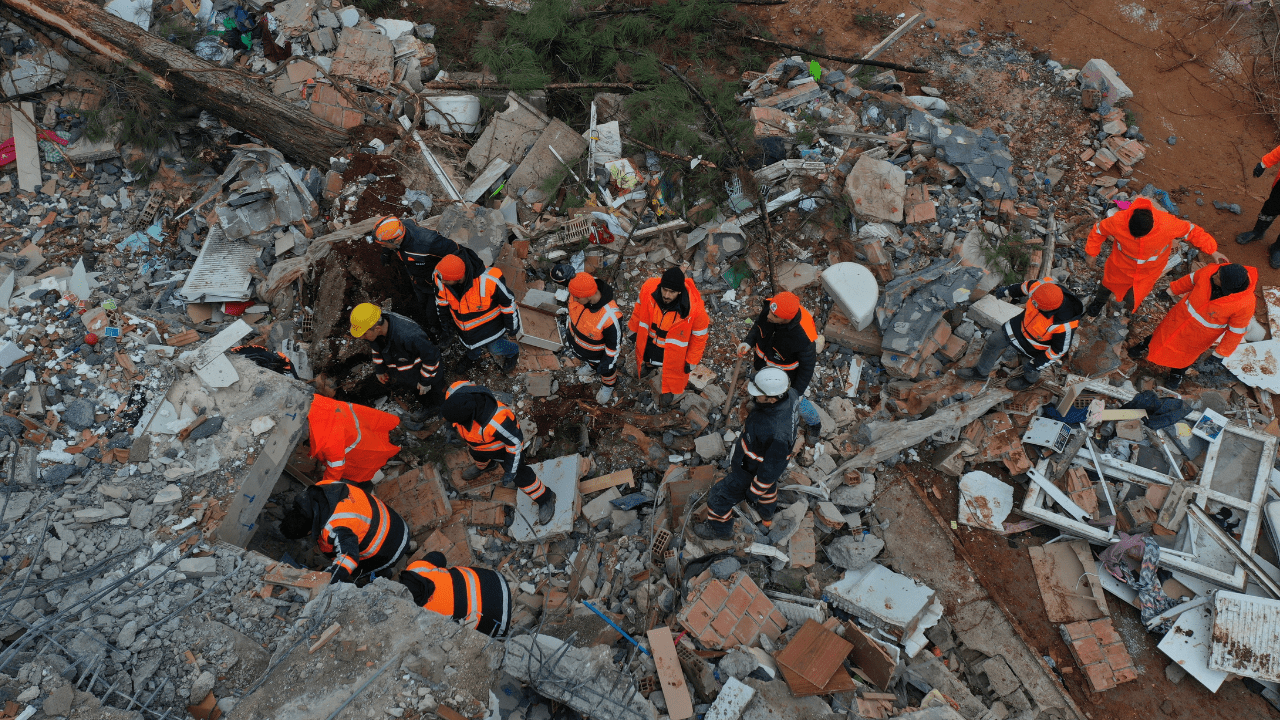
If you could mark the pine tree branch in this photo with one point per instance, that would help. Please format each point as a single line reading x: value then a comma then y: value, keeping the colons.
x: 838, y: 58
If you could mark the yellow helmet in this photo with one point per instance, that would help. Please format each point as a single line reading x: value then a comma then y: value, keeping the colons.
x: 363, y: 317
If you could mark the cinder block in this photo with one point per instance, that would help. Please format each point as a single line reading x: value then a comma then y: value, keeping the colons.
x: 992, y: 313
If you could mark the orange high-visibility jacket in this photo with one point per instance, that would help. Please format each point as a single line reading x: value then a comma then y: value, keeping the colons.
x: 1196, y: 322
x: 351, y: 440
x: 1270, y: 159
x: 358, y: 526
x: 477, y: 598
x: 1138, y: 262
x: 682, y: 339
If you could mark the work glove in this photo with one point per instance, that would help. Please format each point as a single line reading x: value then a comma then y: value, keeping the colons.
x: 631, y: 338
x: 340, y: 575
x: 423, y: 389
x: 743, y: 349
x: 388, y: 256
x: 383, y: 378
x: 1003, y: 293
x: 1259, y: 169
x: 688, y: 368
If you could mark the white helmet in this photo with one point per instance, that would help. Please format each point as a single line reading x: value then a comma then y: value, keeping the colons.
x: 770, y: 382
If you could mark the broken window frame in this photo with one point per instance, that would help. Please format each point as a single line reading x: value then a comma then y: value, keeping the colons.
x: 1036, y: 503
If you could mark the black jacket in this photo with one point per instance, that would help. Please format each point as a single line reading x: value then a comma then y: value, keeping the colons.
x: 507, y: 320
x: 406, y: 352
x: 1071, y: 310
x: 764, y: 448
x: 422, y: 249
x: 784, y: 345
x: 610, y: 331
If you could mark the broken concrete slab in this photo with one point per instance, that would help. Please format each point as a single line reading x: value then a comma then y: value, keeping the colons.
x: 854, y: 289
x: 884, y: 598
x: 794, y: 276
x: 364, y: 55
x: 26, y: 148
x: 508, y: 135
x: 814, y: 653
x: 731, y: 701
x: 584, y: 679
x: 876, y: 189
x: 853, y: 552
x: 561, y: 476
x: 1190, y: 643
x: 1252, y: 363
x: 992, y: 313
x: 479, y: 228
x: 540, y: 164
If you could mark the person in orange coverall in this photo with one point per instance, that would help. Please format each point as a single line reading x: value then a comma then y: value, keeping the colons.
x: 1270, y: 209
x: 1218, y: 302
x: 1142, y: 237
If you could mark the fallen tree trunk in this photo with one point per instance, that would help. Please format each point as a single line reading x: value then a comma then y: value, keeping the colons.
x: 227, y: 93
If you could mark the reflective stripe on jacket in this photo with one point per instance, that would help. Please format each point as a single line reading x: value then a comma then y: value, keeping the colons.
x: 1136, y: 263
x: 477, y: 598
x: 484, y: 312
x: 351, y: 440
x: 497, y: 437
x: 685, y: 337
x: 1196, y: 322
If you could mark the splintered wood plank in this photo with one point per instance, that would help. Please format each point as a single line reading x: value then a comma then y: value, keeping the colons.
x: 674, y: 688
x: 26, y: 146
x: 622, y: 477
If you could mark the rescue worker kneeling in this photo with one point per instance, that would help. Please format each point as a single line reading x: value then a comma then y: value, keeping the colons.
x: 1042, y: 333
x: 595, y: 329
x: 1218, y: 303
x: 493, y: 434
x: 356, y: 529
x: 760, y: 456
x: 477, y: 598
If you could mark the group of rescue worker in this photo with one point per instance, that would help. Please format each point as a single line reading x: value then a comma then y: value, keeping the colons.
x: 668, y: 328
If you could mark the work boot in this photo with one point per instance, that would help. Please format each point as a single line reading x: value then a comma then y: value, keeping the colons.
x: 464, y: 365
x: 713, y: 531
x: 509, y: 363
x: 1259, y: 229
x: 665, y: 400
x: 605, y: 394
x: 1017, y: 384
x: 1099, y: 302
x: 1174, y: 381
x: 546, y: 507
x: 970, y: 374
x: 1137, y: 351
x: 476, y: 471
x: 1274, y: 252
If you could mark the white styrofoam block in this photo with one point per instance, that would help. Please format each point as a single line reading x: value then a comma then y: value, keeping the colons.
x: 854, y: 289
x: 1189, y: 644
x: 991, y: 313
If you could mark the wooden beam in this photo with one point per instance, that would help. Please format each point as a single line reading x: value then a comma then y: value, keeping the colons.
x: 622, y: 477
x: 881, y: 46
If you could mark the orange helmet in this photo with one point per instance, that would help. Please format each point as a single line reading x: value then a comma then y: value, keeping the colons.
x: 389, y: 229
x: 582, y: 285
x: 451, y: 269
x: 1047, y: 297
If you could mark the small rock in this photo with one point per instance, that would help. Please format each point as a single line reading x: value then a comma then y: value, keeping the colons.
x: 738, y: 663
x: 852, y: 553
x: 79, y: 414
x: 198, y: 567
x: 1173, y: 140
x: 202, y: 686
x: 207, y: 429
x: 167, y: 495
x: 725, y: 567
x: 1174, y: 672
x: 60, y: 701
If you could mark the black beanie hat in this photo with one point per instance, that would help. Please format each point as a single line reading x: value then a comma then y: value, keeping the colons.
x: 673, y: 279
x: 1234, y: 278
x: 1141, y: 222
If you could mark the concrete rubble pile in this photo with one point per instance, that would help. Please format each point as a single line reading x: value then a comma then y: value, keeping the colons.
x: 148, y: 458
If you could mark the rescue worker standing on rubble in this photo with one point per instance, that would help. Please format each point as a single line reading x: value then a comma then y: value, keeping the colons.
x: 352, y: 441
x: 1142, y: 238
x: 404, y: 355
x: 669, y: 328
x: 595, y: 329
x: 481, y: 309
x: 785, y: 337
x: 1270, y: 209
x: 349, y: 524
x: 760, y: 455
x: 477, y: 598
x: 1041, y: 333
x: 493, y: 434
x: 419, y: 249
x: 1217, y: 304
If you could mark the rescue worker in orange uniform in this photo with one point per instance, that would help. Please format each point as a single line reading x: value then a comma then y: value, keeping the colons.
x: 493, y: 434
x: 419, y: 250
x: 1041, y: 333
x: 477, y: 598
x: 1270, y: 209
x: 1218, y: 303
x: 1142, y: 238
x: 349, y: 524
x: 475, y: 302
x: 595, y: 329
x: 352, y: 441
x: 785, y: 337
x: 669, y: 327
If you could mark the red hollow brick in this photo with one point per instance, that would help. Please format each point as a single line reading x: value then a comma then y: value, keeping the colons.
x: 1117, y: 656
x: 739, y: 602
x: 760, y: 608
x: 714, y: 595
x: 1100, y: 677
x: 723, y: 624
x: 778, y: 619
x: 1124, y: 675
x: 709, y: 639
x: 1105, y: 631
x: 747, y: 630
x: 1087, y: 651
x: 697, y: 618
x: 746, y: 583
x: 1077, y: 630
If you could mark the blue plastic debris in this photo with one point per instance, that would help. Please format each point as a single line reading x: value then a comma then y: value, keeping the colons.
x: 630, y: 502
x: 140, y: 241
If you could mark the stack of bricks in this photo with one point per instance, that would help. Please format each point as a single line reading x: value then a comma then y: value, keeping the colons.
x: 908, y: 366
x: 722, y: 616
x: 1099, y: 653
